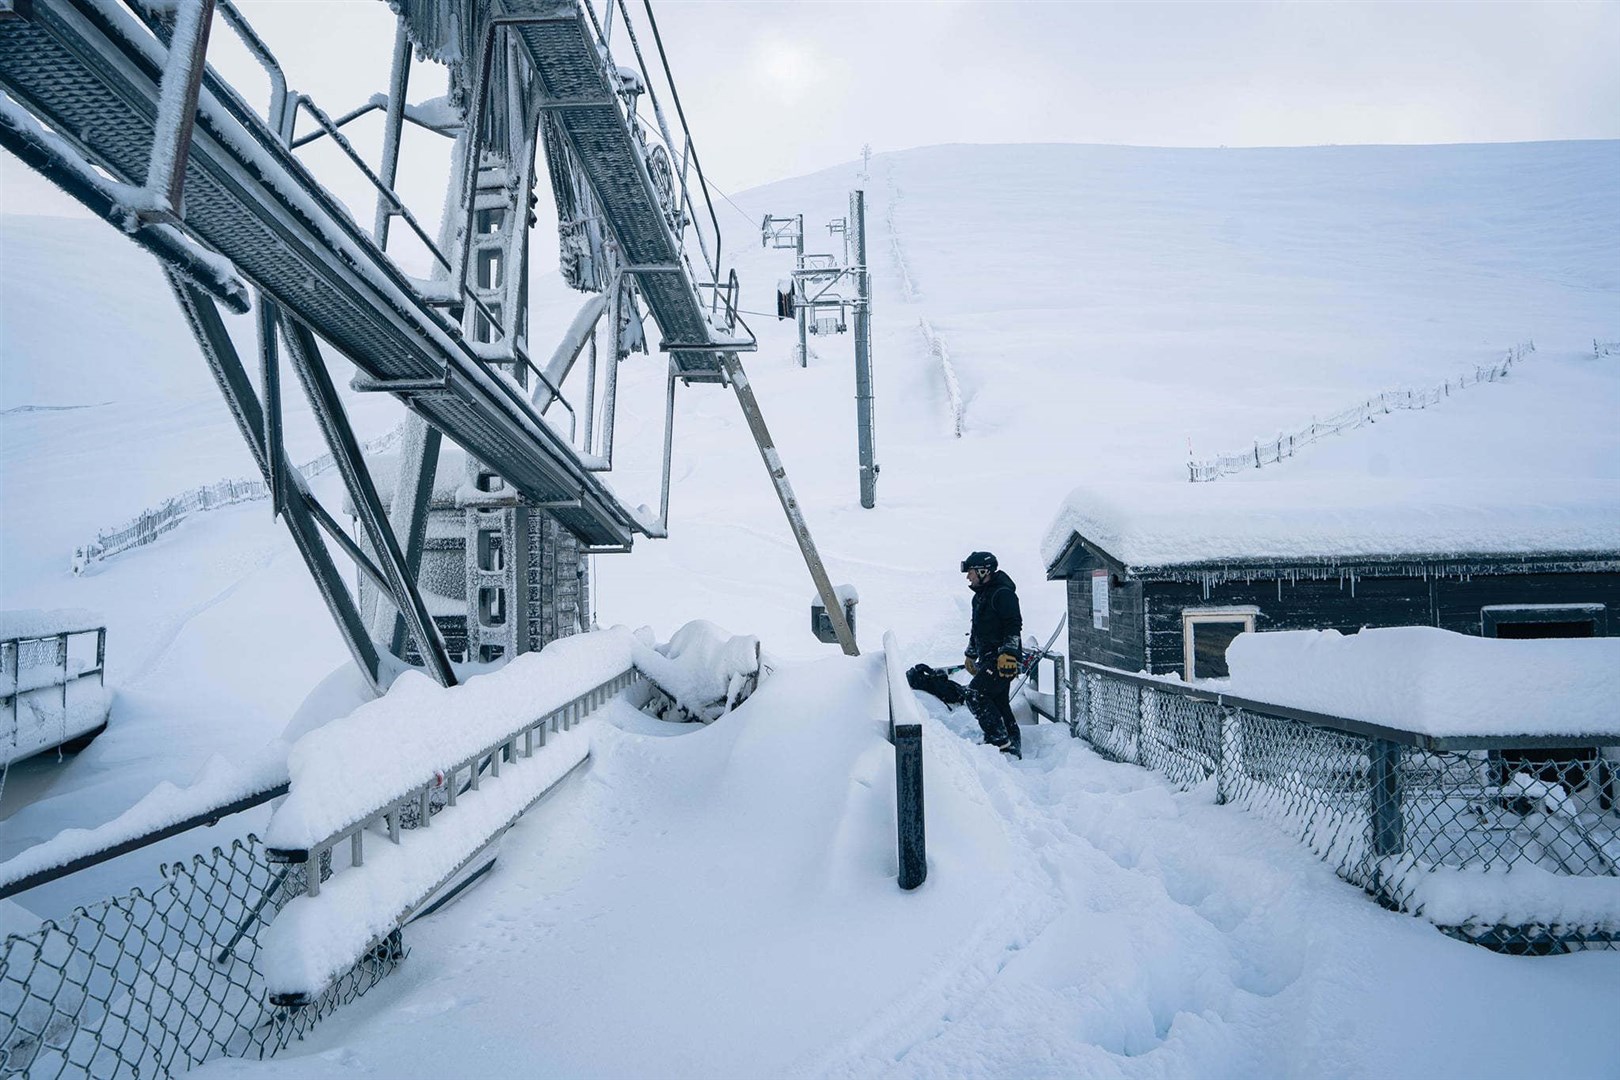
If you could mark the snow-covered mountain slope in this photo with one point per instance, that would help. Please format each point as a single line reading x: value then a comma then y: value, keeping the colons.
x: 1101, y: 308
x: 1109, y: 312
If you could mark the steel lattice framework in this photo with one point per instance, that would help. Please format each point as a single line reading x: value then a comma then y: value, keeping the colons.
x: 116, y: 102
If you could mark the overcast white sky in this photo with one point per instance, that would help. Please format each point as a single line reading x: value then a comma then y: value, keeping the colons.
x: 784, y: 88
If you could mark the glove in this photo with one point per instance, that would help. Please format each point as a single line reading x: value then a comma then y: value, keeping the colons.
x: 972, y: 668
x: 1007, y: 665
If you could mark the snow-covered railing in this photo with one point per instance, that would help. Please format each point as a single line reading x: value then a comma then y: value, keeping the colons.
x: 953, y: 388
x: 436, y: 774
x: 1512, y: 842
x: 1284, y: 446
x: 905, y: 732
x: 153, y: 522
x: 46, y: 698
x: 168, y: 810
x: 1600, y: 349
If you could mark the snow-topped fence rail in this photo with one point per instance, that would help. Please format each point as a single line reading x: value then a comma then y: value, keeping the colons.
x: 1511, y: 842
x: 437, y: 829
x: 155, y: 521
x: 1272, y: 451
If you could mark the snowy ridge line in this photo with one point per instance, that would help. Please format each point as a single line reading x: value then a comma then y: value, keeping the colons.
x: 1285, y: 444
x: 152, y: 523
x: 953, y: 388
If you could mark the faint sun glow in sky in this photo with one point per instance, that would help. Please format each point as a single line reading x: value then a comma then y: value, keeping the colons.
x: 778, y: 89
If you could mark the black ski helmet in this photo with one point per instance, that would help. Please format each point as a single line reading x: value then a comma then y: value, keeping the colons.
x: 979, y: 560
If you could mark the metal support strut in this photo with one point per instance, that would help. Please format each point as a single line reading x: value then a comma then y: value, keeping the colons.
x: 790, y: 503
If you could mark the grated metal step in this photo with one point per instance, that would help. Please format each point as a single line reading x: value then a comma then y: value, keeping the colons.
x: 579, y: 91
x: 92, y: 72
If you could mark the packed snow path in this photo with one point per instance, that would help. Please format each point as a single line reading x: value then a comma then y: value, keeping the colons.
x: 722, y: 903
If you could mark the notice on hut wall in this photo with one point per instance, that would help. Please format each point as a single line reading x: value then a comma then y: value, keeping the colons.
x: 1099, y: 599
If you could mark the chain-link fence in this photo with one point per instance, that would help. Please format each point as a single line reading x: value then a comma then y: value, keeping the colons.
x: 151, y: 984
x: 1273, y: 451
x: 1512, y: 847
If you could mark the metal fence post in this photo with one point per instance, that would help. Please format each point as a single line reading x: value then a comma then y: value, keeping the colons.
x: 1388, y: 825
x: 908, y: 785
x: 1060, y: 703
x: 1228, y: 756
x: 1148, y: 727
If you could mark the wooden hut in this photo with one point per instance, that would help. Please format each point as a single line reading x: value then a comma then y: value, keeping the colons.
x: 1161, y: 578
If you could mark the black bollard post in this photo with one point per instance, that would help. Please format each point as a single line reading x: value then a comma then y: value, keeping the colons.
x: 908, y: 783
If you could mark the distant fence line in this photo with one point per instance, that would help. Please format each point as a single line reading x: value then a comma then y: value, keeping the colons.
x: 908, y: 287
x: 1284, y: 445
x: 153, y: 522
x: 953, y: 389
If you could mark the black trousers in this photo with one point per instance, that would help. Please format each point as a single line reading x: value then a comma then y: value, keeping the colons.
x: 987, y: 699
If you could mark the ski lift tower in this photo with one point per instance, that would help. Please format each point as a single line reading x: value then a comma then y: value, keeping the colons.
x: 821, y: 305
x: 783, y: 233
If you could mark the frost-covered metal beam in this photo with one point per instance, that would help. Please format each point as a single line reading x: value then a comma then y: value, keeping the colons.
x: 177, y: 107
x: 226, y: 365
x: 334, y: 424
x: 790, y: 503
x: 54, y: 159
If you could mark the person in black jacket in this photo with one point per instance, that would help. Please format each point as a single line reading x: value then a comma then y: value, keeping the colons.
x: 993, y: 650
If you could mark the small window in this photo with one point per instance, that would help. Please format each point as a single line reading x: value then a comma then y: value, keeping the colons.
x: 489, y: 269
x: 1099, y: 599
x: 492, y: 606
x: 1205, y: 634
x: 490, y: 554
x: 1544, y: 620
x: 485, y: 331
x: 489, y: 221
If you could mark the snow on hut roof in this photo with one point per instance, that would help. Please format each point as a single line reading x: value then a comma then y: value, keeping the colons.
x: 1436, y: 682
x: 1156, y: 525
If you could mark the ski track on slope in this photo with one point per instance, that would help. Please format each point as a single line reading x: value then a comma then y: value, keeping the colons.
x: 171, y: 632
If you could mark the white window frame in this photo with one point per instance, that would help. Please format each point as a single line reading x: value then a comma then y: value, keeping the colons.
x: 1191, y: 617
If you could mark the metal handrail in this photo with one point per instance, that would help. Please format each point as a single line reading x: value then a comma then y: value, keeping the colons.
x: 905, y: 733
x: 343, y: 121
x: 688, y: 151
x: 326, y: 123
x: 61, y: 638
x: 486, y: 759
x: 211, y: 816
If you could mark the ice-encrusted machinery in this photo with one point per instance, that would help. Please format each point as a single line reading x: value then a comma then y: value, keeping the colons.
x: 118, y: 104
